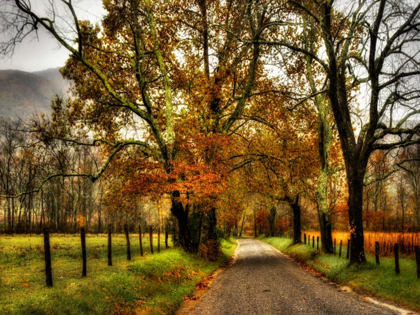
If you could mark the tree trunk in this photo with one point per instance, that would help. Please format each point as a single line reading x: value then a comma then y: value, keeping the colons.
x: 255, y: 224
x: 326, y: 234
x: 355, y: 203
x: 325, y: 136
x: 127, y: 238
x: 212, y: 234
x: 297, y: 232
x: 181, y: 215
x: 200, y: 228
x: 323, y: 213
x: 322, y: 188
x: 272, y: 221
x: 355, y: 154
x: 242, y: 224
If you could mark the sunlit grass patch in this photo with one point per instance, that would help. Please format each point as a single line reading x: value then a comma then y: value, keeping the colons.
x: 152, y: 284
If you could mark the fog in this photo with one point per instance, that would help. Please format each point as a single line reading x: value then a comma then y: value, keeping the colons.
x: 35, y: 54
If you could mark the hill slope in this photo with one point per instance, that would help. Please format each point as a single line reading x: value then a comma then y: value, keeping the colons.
x: 23, y: 94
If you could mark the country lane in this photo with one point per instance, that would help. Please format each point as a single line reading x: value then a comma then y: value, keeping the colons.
x: 263, y: 281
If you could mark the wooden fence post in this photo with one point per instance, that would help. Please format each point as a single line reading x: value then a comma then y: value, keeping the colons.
x: 341, y: 245
x: 109, y: 245
x: 47, y: 252
x: 417, y: 250
x: 141, y: 241
x: 151, y: 238
x: 313, y: 241
x: 335, y: 247
x: 317, y: 243
x: 127, y: 237
x: 348, y: 249
x: 397, y: 259
x: 83, y: 238
x: 377, y: 252
x: 304, y: 238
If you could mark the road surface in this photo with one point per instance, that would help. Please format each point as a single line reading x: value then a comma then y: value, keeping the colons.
x: 263, y: 281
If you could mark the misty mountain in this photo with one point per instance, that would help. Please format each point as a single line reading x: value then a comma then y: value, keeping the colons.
x: 23, y: 94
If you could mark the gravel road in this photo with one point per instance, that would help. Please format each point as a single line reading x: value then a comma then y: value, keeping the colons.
x: 263, y: 281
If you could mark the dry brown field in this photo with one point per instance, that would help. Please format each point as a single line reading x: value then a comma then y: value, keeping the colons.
x: 406, y: 241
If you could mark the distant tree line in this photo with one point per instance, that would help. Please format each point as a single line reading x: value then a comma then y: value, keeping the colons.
x: 63, y: 203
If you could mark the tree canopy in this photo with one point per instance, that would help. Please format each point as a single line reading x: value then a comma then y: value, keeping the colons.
x: 179, y: 97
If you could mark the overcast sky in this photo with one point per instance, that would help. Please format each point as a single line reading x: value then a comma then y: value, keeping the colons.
x: 44, y: 53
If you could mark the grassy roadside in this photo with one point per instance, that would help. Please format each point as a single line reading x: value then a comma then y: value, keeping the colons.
x: 380, y: 281
x: 153, y: 284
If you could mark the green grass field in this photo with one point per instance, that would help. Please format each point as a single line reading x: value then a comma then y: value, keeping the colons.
x: 152, y: 284
x: 380, y: 281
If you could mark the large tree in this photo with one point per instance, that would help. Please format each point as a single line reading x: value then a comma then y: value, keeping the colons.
x: 387, y: 67
x: 149, y: 65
